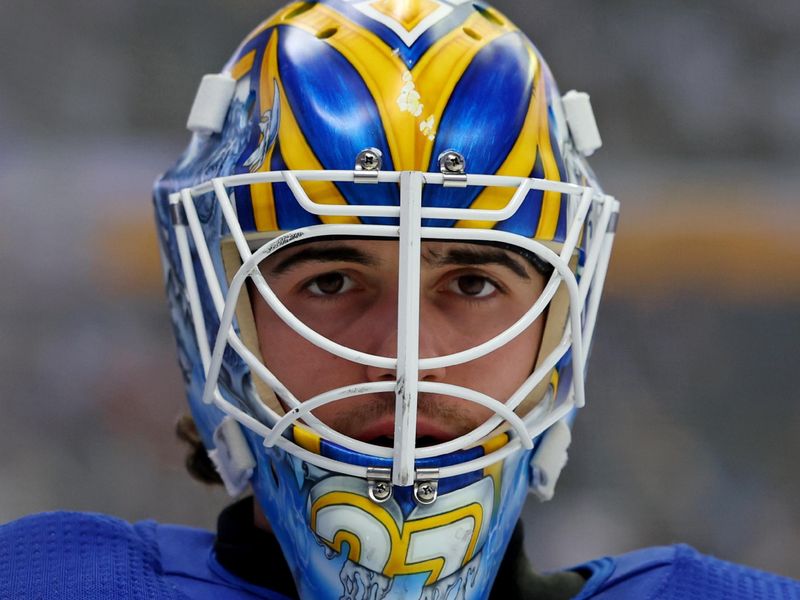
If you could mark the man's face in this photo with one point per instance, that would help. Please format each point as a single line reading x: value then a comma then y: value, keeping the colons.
x: 347, y: 290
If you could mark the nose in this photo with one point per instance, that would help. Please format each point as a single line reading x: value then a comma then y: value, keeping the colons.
x: 385, y: 343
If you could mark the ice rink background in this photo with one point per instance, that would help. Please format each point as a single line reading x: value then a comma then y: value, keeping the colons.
x: 691, y: 431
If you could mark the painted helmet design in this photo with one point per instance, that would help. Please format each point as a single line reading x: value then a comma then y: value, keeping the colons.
x: 415, y: 121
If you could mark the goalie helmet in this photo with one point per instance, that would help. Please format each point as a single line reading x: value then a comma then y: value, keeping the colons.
x: 413, y: 123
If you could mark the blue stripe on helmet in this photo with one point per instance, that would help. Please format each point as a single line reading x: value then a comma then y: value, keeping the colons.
x: 288, y: 213
x: 331, y: 102
x: 526, y: 220
x: 479, y: 104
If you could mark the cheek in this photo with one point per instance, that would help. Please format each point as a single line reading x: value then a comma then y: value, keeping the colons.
x: 304, y: 368
x: 502, y: 372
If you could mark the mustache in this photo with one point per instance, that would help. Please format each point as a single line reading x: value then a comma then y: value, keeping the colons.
x: 439, y: 409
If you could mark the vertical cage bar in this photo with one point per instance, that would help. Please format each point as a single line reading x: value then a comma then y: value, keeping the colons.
x: 405, y: 424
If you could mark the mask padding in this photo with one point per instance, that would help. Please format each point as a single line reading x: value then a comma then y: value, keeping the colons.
x: 247, y: 325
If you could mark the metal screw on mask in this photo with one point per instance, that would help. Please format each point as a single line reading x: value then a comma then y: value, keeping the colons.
x: 426, y: 488
x: 368, y: 163
x: 379, y: 485
x: 453, y: 166
x: 451, y: 161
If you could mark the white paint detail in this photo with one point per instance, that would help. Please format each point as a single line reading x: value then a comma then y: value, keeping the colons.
x: 375, y: 541
x: 427, y: 545
x: 428, y: 128
x: 456, y: 586
x: 409, y: 99
x: 407, y: 37
x: 481, y: 492
x: 359, y: 583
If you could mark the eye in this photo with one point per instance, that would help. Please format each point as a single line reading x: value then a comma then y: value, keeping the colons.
x: 330, y: 284
x: 474, y: 286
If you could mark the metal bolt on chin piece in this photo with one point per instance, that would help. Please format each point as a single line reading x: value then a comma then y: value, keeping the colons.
x: 368, y: 164
x: 426, y: 486
x: 379, y: 484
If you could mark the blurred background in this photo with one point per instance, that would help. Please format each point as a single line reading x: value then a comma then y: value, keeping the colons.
x: 691, y: 431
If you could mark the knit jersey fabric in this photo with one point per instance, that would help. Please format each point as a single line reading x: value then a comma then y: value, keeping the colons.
x: 81, y: 556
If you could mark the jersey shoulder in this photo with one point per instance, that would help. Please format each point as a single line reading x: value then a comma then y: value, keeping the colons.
x: 87, y: 556
x: 680, y: 572
x: 67, y: 555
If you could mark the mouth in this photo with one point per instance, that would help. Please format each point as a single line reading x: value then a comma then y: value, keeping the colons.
x: 378, y: 428
x: 422, y: 441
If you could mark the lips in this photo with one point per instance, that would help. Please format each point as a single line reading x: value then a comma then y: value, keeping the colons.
x: 381, y: 433
x: 387, y: 441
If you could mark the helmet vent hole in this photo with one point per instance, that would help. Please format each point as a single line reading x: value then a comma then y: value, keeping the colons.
x: 488, y: 15
x: 305, y: 6
x: 326, y: 33
x: 473, y: 34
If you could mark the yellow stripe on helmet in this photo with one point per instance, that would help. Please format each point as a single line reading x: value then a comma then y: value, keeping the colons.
x: 261, y: 194
x: 244, y: 65
x: 551, y: 201
x: 307, y: 439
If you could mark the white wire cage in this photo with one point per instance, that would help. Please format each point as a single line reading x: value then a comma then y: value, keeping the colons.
x: 591, y: 218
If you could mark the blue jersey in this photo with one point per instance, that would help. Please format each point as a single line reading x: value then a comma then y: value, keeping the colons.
x: 78, y: 556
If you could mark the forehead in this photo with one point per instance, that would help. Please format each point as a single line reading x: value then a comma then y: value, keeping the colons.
x: 377, y: 247
x: 383, y: 255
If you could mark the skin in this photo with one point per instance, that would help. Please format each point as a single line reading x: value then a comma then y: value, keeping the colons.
x: 347, y: 291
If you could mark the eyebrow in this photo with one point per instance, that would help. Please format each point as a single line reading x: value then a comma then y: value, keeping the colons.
x: 476, y: 256
x: 324, y: 254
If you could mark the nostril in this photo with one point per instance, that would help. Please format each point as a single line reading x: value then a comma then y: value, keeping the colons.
x: 429, y: 376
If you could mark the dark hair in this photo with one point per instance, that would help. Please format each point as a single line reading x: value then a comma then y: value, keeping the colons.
x: 197, y: 462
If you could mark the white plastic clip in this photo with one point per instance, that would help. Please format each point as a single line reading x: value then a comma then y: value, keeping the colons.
x: 582, y: 124
x: 549, y: 459
x: 232, y: 457
x: 211, y: 104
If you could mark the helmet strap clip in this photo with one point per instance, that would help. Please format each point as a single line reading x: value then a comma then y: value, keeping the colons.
x: 549, y: 459
x: 232, y: 456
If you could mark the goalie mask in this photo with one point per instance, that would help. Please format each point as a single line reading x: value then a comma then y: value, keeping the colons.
x: 384, y: 252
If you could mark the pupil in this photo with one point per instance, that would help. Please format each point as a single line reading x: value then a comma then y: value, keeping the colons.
x: 471, y: 285
x: 330, y: 283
